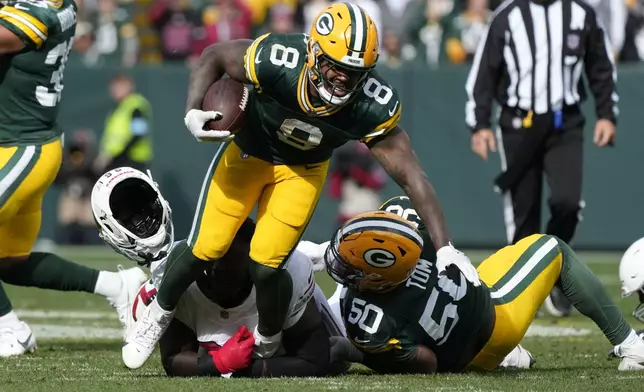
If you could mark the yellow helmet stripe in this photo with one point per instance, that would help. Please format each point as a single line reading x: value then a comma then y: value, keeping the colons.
x: 358, y: 40
x: 382, y: 224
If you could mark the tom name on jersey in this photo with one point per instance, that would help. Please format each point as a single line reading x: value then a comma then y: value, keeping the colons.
x: 420, y: 275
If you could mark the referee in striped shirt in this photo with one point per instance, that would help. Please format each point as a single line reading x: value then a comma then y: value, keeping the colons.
x: 530, y: 62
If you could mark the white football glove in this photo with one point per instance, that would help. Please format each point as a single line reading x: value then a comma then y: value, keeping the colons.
x: 315, y: 253
x: 195, y: 121
x: 448, y: 255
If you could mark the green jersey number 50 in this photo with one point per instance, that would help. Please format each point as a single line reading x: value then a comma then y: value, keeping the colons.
x: 49, y: 96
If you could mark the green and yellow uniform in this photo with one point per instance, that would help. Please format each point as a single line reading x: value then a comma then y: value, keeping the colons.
x: 30, y: 91
x: 278, y: 128
x: 465, y: 326
x: 281, y: 156
x: 444, y: 313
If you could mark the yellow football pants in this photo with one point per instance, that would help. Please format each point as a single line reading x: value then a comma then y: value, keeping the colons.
x: 287, y: 196
x: 520, y: 277
x: 26, y: 173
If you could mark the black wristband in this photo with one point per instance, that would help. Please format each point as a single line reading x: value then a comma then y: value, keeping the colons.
x: 207, y: 367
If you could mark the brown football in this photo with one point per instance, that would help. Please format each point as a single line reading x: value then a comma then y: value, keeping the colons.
x: 230, y: 98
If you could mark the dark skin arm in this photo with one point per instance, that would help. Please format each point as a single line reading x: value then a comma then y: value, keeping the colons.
x: 179, y: 350
x: 422, y: 362
x: 215, y: 61
x: 395, y: 154
x: 9, y: 42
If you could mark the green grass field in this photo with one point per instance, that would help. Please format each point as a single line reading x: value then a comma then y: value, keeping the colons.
x: 79, y: 350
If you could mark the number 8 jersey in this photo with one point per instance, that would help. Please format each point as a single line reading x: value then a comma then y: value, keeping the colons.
x: 286, y: 125
x: 31, y: 80
x: 445, y: 313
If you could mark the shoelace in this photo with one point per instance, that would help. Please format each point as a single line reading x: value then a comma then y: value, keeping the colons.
x: 145, y: 334
x: 150, y: 328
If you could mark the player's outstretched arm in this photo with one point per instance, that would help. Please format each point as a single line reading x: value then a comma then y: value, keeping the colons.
x: 413, y: 360
x: 215, y: 61
x: 422, y: 361
x: 395, y: 154
x: 179, y: 351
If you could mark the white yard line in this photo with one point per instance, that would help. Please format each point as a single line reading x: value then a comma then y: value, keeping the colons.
x: 66, y: 314
x: 555, y: 331
x: 54, y: 331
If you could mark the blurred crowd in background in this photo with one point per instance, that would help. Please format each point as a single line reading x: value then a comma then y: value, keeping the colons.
x: 125, y: 33
x: 432, y: 32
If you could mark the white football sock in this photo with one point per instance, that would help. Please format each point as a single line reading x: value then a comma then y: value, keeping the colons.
x: 108, y: 284
x: 631, y: 339
x: 9, y: 318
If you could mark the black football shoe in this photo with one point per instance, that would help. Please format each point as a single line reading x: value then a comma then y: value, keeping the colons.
x: 557, y: 304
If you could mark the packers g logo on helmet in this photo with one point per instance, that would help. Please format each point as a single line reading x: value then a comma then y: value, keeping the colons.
x: 379, y: 258
x: 343, y: 37
x: 375, y: 251
x: 324, y: 24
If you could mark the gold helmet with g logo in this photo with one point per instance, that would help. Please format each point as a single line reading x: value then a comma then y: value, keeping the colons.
x: 375, y: 251
x: 343, y: 38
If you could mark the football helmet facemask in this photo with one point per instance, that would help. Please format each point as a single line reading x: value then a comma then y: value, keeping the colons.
x: 631, y: 275
x: 344, y: 39
x: 132, y: 216
x: 375, y: 251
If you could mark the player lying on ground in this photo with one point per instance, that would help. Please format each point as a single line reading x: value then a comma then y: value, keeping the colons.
x: 215, y: 313
x: 404, y: 316
x: 312, y: 93
x: 35, y: 40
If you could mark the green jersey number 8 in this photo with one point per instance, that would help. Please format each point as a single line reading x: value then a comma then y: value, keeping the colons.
x: 299, y: 134
x: 49, y: 96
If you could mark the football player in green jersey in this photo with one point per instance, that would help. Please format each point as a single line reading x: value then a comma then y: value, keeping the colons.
x: 312, y: 93
x: 35, y: 40
x: 405, y: 316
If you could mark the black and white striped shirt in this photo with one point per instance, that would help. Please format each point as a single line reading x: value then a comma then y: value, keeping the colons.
x: 532, y: 58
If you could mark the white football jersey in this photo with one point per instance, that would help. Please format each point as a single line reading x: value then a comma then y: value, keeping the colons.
x: 212, y: 323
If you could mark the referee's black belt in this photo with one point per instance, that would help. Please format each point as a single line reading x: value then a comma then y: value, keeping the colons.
x: 535, y: 128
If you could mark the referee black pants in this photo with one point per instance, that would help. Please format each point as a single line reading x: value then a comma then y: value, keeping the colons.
x: 559, y: 155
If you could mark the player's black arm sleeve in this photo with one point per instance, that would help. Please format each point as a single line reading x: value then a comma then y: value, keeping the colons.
x: 421, y: 360
x: 600, y: 69
x: 307, y: 351
x: 395, y: 154
x: 215, y: 61
x: 179, y: 351
x: 484, y: 76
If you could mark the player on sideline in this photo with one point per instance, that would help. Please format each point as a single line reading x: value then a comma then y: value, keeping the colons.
x: 214, y: 313
x: 312, y: 93
x: 453, y: 325
x: 35, y: 40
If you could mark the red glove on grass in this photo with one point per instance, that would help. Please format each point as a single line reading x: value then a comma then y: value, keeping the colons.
x: 236, y: 353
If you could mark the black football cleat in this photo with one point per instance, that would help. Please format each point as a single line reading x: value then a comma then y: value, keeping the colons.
x: 557, y: 304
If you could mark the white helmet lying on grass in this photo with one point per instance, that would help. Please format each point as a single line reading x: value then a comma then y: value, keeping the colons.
x: 631, y: 275
x: 132, y: 216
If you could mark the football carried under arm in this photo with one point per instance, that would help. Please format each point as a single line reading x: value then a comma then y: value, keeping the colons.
x: 215, y: 61
x: 398, y: 158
